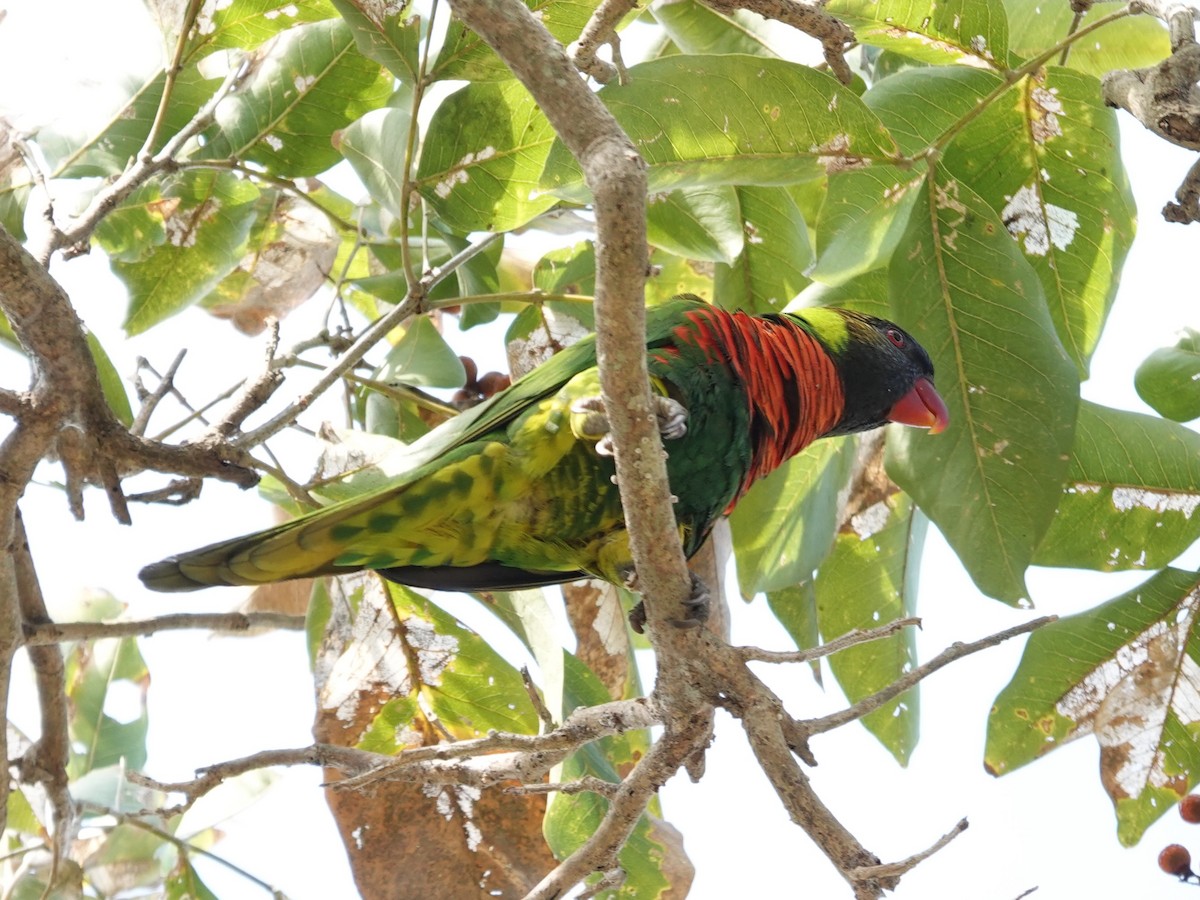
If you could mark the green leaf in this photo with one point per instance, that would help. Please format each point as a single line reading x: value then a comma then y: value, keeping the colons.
x: 1131, y: 494
x: 674, y: 275
x: 1126, y: 672
x: 1130, y: 43
x: 110, y: 381
x: 465, y: 56
x: 173, y: 243
x: 246, y: 24
x: 862, y: 221
x: 390, y: 38
x: 696, y: 28
x: 312, y: 83
x: 990, y: 483
x: 769, y: 272
x: 1046, y: 157
x: 1169, y: 378
x: 106, y: 684
x: 109, y: 152
x: 696, y: 223
x: 779, y: 123
x: 374, y: 147
x: 468, y: 686
x: 866, y: 293
x: 868, y: 580
x: 567, y: 270
x: 796, y: 609
x: 184, y: 884
x: 422, y: 358
x: 943, y: 33
x: 783, y: 528
x: 485, y: 149
x: 572, y: 818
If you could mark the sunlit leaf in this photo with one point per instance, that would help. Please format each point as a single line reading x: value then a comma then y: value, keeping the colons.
x: 312, y: 83
x: 171, y: 244
x: 990, y: 482
x: 465, y: 56
x: 697, y: 28
x: 1125, y: 672
x: 249, y: 23
x: 1046, y: 158
x: 390, y: 35
x: 975, y: 31
x: 696, y: 223
x: 374, y: 147
x: 184, y: 884
x: 485, y: 150
x: 422, y: 358
x: 779, y: 123
x: 1129, y: 43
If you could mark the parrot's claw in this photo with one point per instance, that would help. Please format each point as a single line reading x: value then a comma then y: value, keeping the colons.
x: 672, y: 419
x: 697, y: 607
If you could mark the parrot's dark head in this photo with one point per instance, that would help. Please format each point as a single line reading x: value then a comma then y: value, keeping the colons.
x: 886, y: 375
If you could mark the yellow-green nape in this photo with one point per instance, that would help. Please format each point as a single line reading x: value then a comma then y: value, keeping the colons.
x: 829, y: 325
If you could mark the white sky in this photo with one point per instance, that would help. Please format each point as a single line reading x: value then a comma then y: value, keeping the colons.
x: 1048, y: 824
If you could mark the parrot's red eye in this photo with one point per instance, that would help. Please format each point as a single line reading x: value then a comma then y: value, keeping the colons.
x: 896, y: 337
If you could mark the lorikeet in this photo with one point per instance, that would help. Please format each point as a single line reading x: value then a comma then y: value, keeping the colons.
x: 519, y: 491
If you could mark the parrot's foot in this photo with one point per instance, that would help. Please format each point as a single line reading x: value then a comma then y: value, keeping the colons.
x: 696, y: 606
x: 592, y: 421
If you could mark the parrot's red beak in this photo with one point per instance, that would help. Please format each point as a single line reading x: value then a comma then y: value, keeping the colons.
x: 923, y: 407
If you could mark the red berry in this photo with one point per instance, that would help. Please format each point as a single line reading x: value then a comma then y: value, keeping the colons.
x: 1189, y: 808
x: 471, y: 369
x: 1175, y: 860
x: 493, y: 383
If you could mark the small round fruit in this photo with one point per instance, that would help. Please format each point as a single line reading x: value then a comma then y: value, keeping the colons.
x: 471, y: 369
x: 1175, y: 860
x: 493, y: 383
x: 1189, y: 808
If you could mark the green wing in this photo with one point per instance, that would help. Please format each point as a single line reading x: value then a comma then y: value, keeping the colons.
x: 348, y: 535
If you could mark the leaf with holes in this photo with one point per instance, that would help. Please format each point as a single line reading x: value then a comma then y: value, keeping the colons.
x: 991, y: 481
x: 172, y: 243
x: 714, y: 120
x: 312, y: 83
x: 485, y: 150
x: 769, y: 271
x: 870, y: 579
x: 1130, y: 43
x: 974, y: 32
x: 1131, y: 495
x: 245, y: 24
x: 388, y: 34
x: 1046, y: 157
x: 1125, y: 672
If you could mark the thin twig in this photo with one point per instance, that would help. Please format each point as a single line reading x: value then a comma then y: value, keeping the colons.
x: 166, y: 385
x: 48, y: 633
x: 849, y: 639
x: 368, y: 339
x: 896, y: 869
x: 954, y: 652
